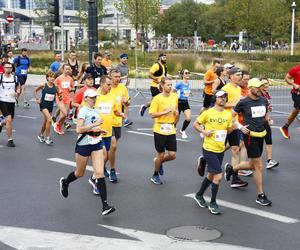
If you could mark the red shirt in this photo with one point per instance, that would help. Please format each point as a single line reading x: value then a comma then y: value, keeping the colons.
x: 1, y: 69
x: 78, y: 97
x: 295, y: 73
x: 65, y: 85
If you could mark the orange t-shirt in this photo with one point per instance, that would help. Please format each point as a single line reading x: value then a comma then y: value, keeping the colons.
x: 64, y: 85
x: 209, y: 76
x: 244, y: 93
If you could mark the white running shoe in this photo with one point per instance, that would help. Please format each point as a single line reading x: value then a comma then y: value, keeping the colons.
x: 41, y: 138
x: 272, y: 164
x: 48, y: 141
x: 183, y: 134
x: 245, y: 173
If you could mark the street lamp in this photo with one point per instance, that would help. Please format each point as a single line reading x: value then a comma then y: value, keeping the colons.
x: 293, y: 28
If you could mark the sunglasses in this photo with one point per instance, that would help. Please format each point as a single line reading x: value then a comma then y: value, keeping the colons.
x: 186, y: 73
x: 8, y: 67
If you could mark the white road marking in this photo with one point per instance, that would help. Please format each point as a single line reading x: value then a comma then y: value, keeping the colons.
x: 26, y: 238
x: 1, y: 146
x: 4, y: 131
x: 275, y: 127
x: 27, y: 117
x: 151, y: 135
x: 144, y: 129
x: 254, y: 211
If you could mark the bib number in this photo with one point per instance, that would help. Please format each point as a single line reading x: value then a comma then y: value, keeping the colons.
x: 186, y: 93
x: 258, y: 111
x: 92, y: 140
x: 105, y: 108
x: 65, y: 85
x: 166, y: 128
x: 220, y: 135
x: 23, y: 71
x: 49, y: 97
x: 97, y: 81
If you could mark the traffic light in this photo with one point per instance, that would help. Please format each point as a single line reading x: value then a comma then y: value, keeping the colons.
x: 54, y: 11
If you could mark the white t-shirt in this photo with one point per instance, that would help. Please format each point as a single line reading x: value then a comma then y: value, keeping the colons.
x: 8, y: 89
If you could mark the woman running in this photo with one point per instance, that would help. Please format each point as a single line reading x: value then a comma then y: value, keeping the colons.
x: 220, y: 81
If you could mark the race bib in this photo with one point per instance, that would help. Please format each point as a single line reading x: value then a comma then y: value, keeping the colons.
x: 220, y: 135
x: 186, y: 93
x: 65, y: 85
x: 23, y: 71
x: 105, y: 108
x: 97, y: 81
x: 92, y: 140
x: 49, y: 97
x: 166, y: 128
x: 258, y: 111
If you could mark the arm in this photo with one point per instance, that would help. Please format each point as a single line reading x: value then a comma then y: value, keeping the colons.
x: 199, y: 127
x: 80, y: 128
x: 35, y: 92
x: 215, y: 84
x: 290, y: 81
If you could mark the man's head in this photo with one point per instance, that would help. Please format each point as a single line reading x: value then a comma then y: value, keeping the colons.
x: 266, y: 84
x: 221, y: 98
x: 255, y: 86
x: 107, y: 54
x: 66, y: 69
x: 24, y: 52
x: 57, y: 57
x: 245, y: 79
x: 98, y: 58
x: 162, y: 58
x: 105, y: 84
x: 10, y: 53
x: 124, y: 58
x: 115, y: 76
x: 72, y: 55
x: 88, y: 80
x: 219, y: 71
x: 235, y: 75
x: 7, y: 68
x: 216, y: 63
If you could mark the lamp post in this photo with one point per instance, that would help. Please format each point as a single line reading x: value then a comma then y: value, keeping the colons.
x: 293, y: 28
x: 92, y: 28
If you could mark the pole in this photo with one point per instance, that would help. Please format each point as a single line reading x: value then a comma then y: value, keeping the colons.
x: 293, y: 28
x: 62, y: 40
x: 92, y: 29
x: 117, y: 30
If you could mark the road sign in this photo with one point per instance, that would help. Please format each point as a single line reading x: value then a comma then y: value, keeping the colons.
x: 10, y: 18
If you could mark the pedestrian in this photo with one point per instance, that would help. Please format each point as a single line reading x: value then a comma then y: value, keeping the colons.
x: 89, y: 145
x: 74, y: 64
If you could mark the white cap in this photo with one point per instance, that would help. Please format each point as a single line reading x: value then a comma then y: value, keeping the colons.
x: 90, y: 93
x: 228, y: 65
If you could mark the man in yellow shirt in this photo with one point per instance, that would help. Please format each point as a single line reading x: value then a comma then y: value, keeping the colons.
x: 156, y: 73
x: 164, y: 111
x: 122, y: 98
x: 214, y: 124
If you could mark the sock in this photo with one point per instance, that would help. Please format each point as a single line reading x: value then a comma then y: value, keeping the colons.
x: 205, y: 184
x: 185, y: 125
x: 155, y: 173
x: 101, y: 185
x: 112, y: 170
x: 214, y: 191
x: 71, y: 177
x: 268, y: 160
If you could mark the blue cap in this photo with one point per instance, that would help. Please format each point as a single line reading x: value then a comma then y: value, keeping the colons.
x: 124, y: 55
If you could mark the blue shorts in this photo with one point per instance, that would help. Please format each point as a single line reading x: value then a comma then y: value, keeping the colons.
x: 214, y: 161
x: 86, y: 150
x: 106, y: 141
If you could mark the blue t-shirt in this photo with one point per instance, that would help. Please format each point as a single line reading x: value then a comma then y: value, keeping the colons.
x: 54, y: 67
x: 183, y: 90
x: 89, y: 115
x: 22, y: 65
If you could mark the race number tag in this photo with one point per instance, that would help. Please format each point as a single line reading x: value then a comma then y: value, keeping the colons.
x: 23, y: 71
x: 97, y: 81
x: 220, y: 135
x: 186, y: 93
x: 65, y: 85
x: 258, y: 111
x: 166, y: 128
x: 49, y: 97
x: 92, y: 140
x: 105, y: 108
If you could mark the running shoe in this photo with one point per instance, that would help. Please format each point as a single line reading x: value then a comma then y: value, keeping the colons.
x: 143, y: 108
x: 156, y: 180
x: 10, y: 143
x: 112, y: 176
x: 201, y: 164
x: 127, y: 123
x: 63, y: 187
x: 48, y: 141
x: 58, y: 129
x: 183, y: 134
x: 200, y: 200
x: 285, y: 132
x: 263, y: 200
x: 93, y: 184
x: 106, y: 173
x: 228, y: 171
x: 107, y: 209
x: 238, y: 183
x: 272, y: 164
x: 26, y: 105
x: 67, y: 125
x: 214, y: 208
x: 41, y: 138
x: 245, y: 173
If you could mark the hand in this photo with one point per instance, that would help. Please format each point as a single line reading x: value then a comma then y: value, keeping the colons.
x: 245, y: 129
x: 103, y: 132
x: 270, y: 108
x: 234, y: 126
x: 296, y: 86
x: 98, y: 122
x: 167, y: 111
x: 38, y: 101
x: 207, y: 133
x: 191, y: 93
x: 175, y: 112
x: 271, y: 122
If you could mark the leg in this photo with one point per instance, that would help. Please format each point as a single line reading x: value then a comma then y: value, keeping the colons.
x: 170, y: 156
x: 9, y: 126
x: 258, y: 174
x: 292, y: 117
x: 269, y: 151
x: 63, y: 113
x: 188, y: 117
x: 112, y: 152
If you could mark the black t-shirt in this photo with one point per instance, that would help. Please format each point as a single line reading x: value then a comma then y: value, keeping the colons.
x: 254, y: 112
x: 97, y: 72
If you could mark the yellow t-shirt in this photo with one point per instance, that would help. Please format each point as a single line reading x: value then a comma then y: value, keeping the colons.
x: 209, y: 76
x: 153, y: 69
x: 120, y: 92
x: 219, y: 122
x: 106, y: 104
x: 234, y: 94
x: 164, y: 125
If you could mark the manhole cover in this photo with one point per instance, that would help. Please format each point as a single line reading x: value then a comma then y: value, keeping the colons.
x: 194, y: 233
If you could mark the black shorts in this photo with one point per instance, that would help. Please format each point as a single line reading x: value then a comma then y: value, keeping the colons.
x: 207, y: 100
x: 214, y: 161
x: 254, y: 146
x: 7, y: 108
x: 22, y: 79
x: 183, y: 105
x: 165, y: 142
x: 233, y: 138
x: 296, y: 100
x: 50, y: 108
x: 154, y: 91
x: 116, y: 132
x: 268, y: 137
x: 86, y: 150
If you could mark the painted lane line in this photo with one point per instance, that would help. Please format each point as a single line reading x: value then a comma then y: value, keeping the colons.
x: 144, y: 129
x: 27, y: 117
x: 1, y: 146
x: 4, y: 131
x: 254, y: 211
x: 151, y: 135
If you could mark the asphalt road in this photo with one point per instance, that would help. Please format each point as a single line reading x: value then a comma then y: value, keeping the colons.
x: 33, y: 215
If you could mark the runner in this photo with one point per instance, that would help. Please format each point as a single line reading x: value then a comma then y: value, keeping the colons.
x: 293, y: 79
x: 10, y: 88
x: 46, y: 102
x: 214, y: 124
x: 156, y: 73
x: 97, y: 70
x: 122, y: 98
x: 268, y: 138
x: 89, y: 144
x: 10, y: 56
x: 65, y: 86
x: 23, y: 64
x: 56, y: 65
x: 106, y: 62
x: 220, y: 81
x: 254, y: 109
x: 81, y: 74
x: 164, y: 111
x: 183, y: 89
x: 74, y: 64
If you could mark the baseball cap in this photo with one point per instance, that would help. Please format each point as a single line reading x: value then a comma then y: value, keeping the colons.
x: 90, y: 93
x: 234, y: 70
x: 220, y: 93
x: 255, y: 82
x: 228, y: 66
x: 124, y: 55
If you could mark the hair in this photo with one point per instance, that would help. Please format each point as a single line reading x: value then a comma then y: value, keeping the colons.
x: 162, y: 82
x: 65, y: 65
x: 7, y: 63
x: 50, y: 74
x: 98, y: 54
x: 24, y: 49
x: 181, y: 73
x: 104, y: 78
x: 72, y: 52
x: 216, y: 61
x: 57, y: 53
x: 245, y: 72
x: 114, y: 70
x: 219, y: 70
